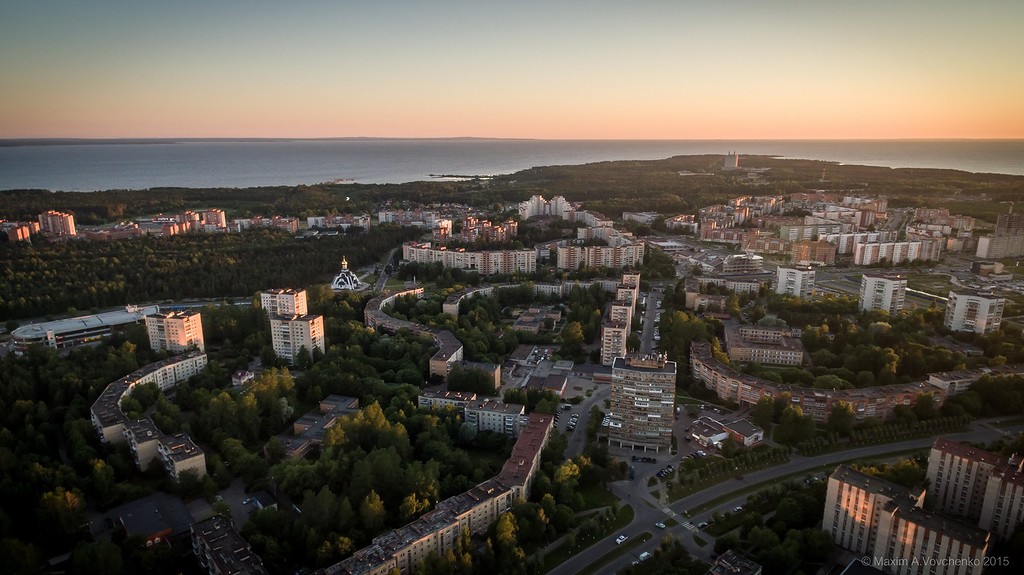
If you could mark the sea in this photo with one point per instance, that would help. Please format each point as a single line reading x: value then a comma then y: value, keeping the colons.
x: 86, y: 166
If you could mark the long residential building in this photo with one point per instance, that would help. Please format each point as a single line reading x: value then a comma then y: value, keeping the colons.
x: 486, y: 262
x: 642, y: 403
x: 747, y: 390
x: 882, y: 292
x: 767, y: 345
x: 974, y: 311
x: 402, y: 549
x: 175, y: 331
x: 625, y: 255
x: 178, y: 453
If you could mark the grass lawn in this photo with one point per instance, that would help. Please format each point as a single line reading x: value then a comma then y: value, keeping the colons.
x: 562, y: 553
x: 596, y: 496
x: 699, y: 541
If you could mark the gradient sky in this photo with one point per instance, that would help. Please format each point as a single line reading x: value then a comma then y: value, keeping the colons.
x: 671, y: 69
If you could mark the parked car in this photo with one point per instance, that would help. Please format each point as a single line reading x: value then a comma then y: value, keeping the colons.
x: 620, y: 539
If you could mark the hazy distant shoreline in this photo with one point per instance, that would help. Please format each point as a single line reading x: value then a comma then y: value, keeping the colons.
x: 91, y: 165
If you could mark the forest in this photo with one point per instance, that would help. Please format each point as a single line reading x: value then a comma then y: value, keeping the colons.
x: 51, y: 278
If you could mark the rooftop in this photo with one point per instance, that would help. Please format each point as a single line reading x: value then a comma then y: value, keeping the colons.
x: 227, y: 551
x: 152, y: 515
x: 130, y: 314
x: 648, y: 363
x: 868, y: 483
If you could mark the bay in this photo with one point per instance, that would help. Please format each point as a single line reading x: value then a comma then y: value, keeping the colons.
x: 244, y: 163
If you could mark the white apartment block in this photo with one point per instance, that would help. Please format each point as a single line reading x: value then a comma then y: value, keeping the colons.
x: 284, y: 302
x: 845, y: 243
x: 538, y: 206
x: 642, y: 403
x: 175, y: 331
x: 866, y: 254
x: 796, y: 281
x: 614, y: 336
x: 974, y: 311
x: 485, y: 262
x: 505, y: 418
x: 290, y: 334
x: 627, y: 255
x: 882, y: 292
x: 978, y: 485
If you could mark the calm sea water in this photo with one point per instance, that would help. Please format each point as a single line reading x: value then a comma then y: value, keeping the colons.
x: 90, y: 167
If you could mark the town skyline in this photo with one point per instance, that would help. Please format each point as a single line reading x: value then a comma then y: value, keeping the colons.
x: 728, y: 70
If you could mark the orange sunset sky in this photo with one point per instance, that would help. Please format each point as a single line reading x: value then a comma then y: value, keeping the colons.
x: 616, y: 70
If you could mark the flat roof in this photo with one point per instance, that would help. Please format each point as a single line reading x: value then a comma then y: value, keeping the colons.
x: 153, y: 514
x: 85, y: 322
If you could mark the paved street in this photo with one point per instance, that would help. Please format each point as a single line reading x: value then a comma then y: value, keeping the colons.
x: 649, y: 511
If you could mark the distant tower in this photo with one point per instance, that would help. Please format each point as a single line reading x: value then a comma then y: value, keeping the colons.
x: 732, y: 161
x: 344, y: 263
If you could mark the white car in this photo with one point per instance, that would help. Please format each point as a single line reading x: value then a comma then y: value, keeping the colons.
x: 620, y: 539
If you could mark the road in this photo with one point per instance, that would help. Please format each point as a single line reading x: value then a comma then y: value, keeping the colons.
x: 383, y: 277
x: 649, y: 329
x: 649, y: 511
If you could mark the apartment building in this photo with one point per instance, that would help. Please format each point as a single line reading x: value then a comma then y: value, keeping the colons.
x: 743, y: 264
x: 180, y: 455
x: 796, y: 281
x: 614, y: 336
x: 175, y: 331
x: 284, y: 302
x: 505, y: 418
x: 974, y: 311
x: 290, y: 334
x: 882, y: 292
x: 813, y: 252
x: 485, y: 262
x: 221, y: 550
x: 53, y: 223
x: 978, y: 485
x: 854, y: 504
x: 642, y: 402
x: 763, y: 345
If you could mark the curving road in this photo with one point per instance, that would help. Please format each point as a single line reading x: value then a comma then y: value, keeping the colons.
x: 649, y: 511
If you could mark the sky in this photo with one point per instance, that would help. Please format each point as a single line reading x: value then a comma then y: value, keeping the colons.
x: 555, y: 69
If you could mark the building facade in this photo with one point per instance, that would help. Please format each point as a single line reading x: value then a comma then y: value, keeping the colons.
x: 284, y: 302
x: 58, y: 224
x: 290, y: 334
x: 796, y: 281
x: 974, y: 311
x: 175, y: 331
x: 882, y: 292
x: 642, y: 402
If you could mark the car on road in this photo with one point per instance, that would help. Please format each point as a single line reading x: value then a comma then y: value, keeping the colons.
x: 645, y: 556
x: 659, y: 525
x: 702, y: 524
x: 737, y: 509
x: 620, y: 539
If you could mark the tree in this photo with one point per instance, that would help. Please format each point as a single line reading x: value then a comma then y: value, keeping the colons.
x: 372, y: 512
x: 842, y: 418
x: 763, y: 412
x: 61, y: 512
x: 99, y: 558
x: 794, y: 427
